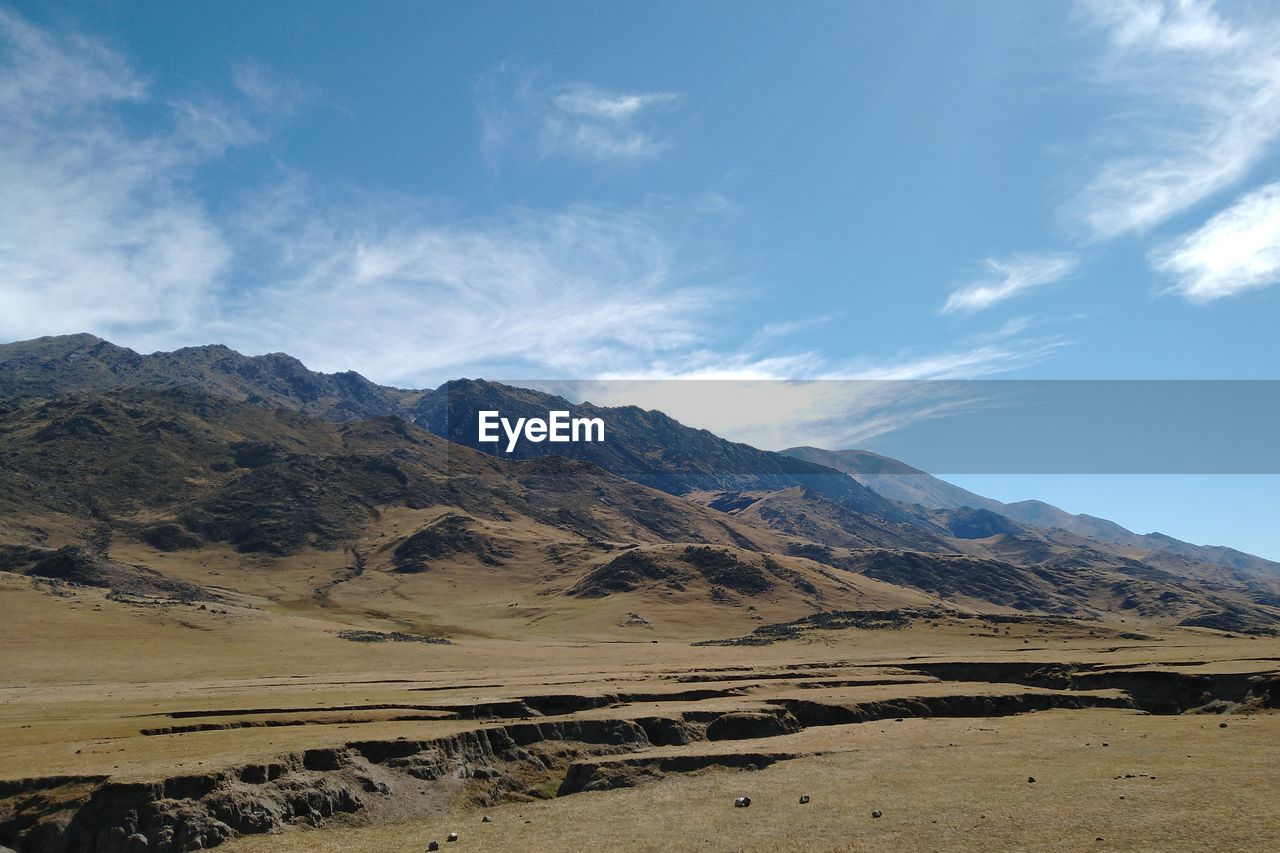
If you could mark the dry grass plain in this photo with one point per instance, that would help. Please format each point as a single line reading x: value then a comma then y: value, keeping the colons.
x: 137, y: 692
x: 941, y: 784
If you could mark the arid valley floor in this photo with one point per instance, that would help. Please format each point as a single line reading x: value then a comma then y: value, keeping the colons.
x: 250, y: 710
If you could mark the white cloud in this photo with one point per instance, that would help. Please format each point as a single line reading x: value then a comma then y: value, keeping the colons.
x: 97, y: 230
x: 774, y: 413
x: 1203, y: 109
x: 575, y: 120
x: 587, y: 100
x: 787, y: 328
x: 103, y: 229
x: 774, y: 402
x: 1002, y: 351
x: 982, y: 359
x: 533, y: 293
x: 1198, y: 93
x: 1236, y: 250
x: 268, y: 91
x: 45, y: 76
x: 1009, y: 278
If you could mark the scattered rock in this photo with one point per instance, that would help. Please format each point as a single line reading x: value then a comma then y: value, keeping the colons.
x: 453, y: 836
x: 389, y: 636
x: 876, y: 813
x: 1031, y: 780
x: 741, y: 802
x: 434, y: 845
x: 1222, y: 725
x: 804, y: 798
x: 486, y: 819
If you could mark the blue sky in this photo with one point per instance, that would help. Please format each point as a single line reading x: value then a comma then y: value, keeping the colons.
x: 773, y: 190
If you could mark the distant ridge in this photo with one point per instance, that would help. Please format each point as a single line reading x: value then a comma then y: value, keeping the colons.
x: 901, y: 482
x: 73, y: 363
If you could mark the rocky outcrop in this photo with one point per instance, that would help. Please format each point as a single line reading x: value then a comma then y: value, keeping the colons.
x: 1156, y: 691
x: 626, y: 772
x: 447, y: 536
x: 81, y: 566
x: 744, y: 725
x: 822, y: 714
x: 97, y: 815
x: 181, y: 813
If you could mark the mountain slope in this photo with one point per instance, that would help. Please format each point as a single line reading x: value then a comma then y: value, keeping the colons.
x: 644, y: 446
x: 895, y: 480
x: 180, y: 493
x: 67, y: 364
x: 901, y: 482
x: 647, y: 447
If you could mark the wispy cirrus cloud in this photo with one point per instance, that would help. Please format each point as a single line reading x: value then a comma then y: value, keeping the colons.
x: 1203, y: 108
x: 775, y: 413
x: 1235, y: 251
x: 577, y: 120
x: 46, y: 76
x: 97, y: 226
x: 1198, y: 94
x: 104, y: 227
x: 982, y: 358
x: 786, y: 328
x: 584, y: 99
x: 1008, y: 277
x: 1003, y: 350
x: 530, y: 293
x: 775, y: 402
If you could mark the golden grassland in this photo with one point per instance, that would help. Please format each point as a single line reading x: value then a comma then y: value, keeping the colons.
x: 941, y: 784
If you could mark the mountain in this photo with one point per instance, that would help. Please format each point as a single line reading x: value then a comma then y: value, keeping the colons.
x: 1042, y: 514
x: 143, y: 492
x: 647, y: 447
x: 901, y: 482
x: 644, y: 446
x: 895, y: 480
x: 207, y: 473
x: 277, y: 482
x: 65, y: 364
x: 178, y: 494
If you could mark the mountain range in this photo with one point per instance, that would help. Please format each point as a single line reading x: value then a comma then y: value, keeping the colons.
x: 142, y: 472
x: 901, y: 482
